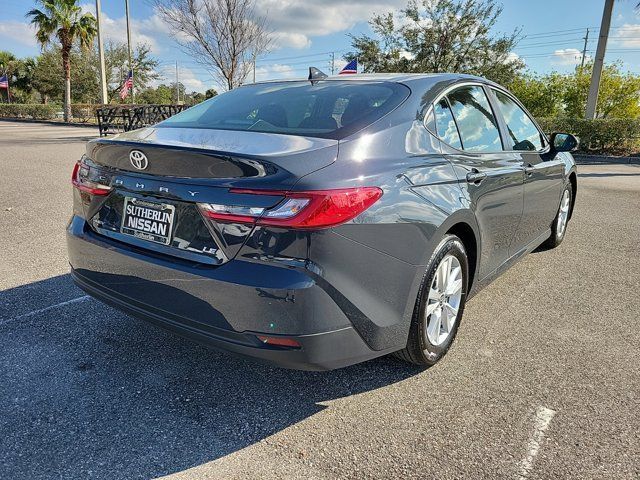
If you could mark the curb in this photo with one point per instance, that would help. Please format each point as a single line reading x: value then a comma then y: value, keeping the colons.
x: 50, y: 122
x: 605, y: 159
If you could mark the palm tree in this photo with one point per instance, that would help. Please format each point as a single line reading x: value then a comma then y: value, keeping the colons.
x: 64, y: 20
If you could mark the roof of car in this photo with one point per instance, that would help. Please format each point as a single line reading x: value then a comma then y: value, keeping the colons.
x: 389, y: 77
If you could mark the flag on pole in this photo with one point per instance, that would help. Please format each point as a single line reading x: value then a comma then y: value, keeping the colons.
x: 4, y: 83
x: 351, y: 67
x: 127, y: 85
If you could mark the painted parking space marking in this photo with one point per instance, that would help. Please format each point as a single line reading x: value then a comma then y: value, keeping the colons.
x: 542, y: 421
x: 83, y: 298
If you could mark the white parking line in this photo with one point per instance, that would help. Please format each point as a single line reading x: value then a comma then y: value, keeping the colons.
x: 45, y: 309
x: 542, y: 421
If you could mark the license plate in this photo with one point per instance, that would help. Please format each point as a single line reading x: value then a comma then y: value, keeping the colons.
x: 148, y: 220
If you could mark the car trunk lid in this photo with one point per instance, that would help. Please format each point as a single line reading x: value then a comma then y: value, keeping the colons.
x: 155, y: 208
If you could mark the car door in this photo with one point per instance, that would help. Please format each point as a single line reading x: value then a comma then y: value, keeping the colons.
x: 492, y: 178
x: 543, y: 180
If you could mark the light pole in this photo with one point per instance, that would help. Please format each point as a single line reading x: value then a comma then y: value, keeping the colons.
x: 103, y: 79
x: 592, y: 100
x: 126, y: 6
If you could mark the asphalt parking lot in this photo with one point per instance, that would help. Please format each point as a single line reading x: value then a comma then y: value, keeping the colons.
x: 542, y: 382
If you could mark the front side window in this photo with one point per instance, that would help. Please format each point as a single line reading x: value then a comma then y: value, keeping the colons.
x: 446, y: 125
x: 523, y: 134
x: 478, y: 126
x: 329, y: 109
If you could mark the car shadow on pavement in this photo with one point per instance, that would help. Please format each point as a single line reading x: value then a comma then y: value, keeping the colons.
x: 90, y: 392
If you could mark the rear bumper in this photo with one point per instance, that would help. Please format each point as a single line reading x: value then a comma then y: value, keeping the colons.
x: 223, y: 307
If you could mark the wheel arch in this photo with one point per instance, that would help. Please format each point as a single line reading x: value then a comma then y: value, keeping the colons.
x: 463, y: 225
x: 573, y: 178
x: 467, y: 236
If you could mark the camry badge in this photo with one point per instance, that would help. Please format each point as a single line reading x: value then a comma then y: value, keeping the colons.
x: 138, y: 159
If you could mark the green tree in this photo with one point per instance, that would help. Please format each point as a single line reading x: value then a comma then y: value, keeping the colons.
x: 49, y: 80
x: 210, y: 93
x: 7, y: 65
x: 161, y: 95
x: 619, y: 95
x: 440, y: 36
x: 117, y: 67
x: 194, y: 98
x: 542, y: 95
x: 19, y: 72
x: 48, y: 77
x: 64, y: 20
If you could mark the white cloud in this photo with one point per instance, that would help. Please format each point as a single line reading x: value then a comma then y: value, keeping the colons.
x: 186, y: 77
x: 512, y: 57
x: 20, y: 32
x: 305, y: 19
x: 627, y: 36
x: 567, y: 56
x: 291, y: 40
x: 274, y: 72
x: 190, y: 81
x: 142, y: 31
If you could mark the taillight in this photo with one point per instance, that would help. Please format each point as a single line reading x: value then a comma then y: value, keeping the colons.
x: 303, y: 210
x: 86, y: 178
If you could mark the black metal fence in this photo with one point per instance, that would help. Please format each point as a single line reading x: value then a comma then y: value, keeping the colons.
x: 122, y: 118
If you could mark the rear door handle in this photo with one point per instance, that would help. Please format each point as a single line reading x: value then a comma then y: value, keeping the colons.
x: 475, y: 176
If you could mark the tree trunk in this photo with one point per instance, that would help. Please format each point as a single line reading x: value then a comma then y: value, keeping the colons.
x: 66, y: 63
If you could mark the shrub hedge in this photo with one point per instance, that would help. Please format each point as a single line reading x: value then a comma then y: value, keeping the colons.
x: 84, y: 112
x: 603, y: 136
x: 35, y: 111
x: 80, y: 112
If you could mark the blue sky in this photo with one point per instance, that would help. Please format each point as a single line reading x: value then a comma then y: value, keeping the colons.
x: 307, y: 31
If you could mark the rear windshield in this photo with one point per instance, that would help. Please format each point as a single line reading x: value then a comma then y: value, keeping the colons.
x: 329, y: 109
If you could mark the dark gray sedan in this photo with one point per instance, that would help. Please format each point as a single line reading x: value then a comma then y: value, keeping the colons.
x: 316, y: 224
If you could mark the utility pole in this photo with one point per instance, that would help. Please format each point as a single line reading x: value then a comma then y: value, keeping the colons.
x: 126, y: 7
x: 103, y: 78
x: 333, y: 63
x: 584, y: 50
x: 177, y: 86
x: 592, y: 100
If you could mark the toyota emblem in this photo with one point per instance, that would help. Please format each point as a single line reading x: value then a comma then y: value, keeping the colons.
x: 138, y: 159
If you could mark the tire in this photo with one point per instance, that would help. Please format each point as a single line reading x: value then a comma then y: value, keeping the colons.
x: 425, y: 345
x: 559, y: 226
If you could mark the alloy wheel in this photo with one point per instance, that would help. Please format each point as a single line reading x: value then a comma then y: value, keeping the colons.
x: 563, y: 213
x: 444, y: 299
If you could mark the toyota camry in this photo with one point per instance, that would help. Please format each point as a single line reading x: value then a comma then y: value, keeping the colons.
x: 319, y: 223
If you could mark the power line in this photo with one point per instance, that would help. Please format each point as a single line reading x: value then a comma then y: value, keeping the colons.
x: 550, y: 33
x: 543, y: 44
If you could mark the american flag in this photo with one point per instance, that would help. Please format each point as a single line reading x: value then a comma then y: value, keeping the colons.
x: 351, y: 67
x: 127, y: 85
x: 4, y: 82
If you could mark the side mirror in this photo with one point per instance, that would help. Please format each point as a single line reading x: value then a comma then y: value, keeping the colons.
x: 564, y: 142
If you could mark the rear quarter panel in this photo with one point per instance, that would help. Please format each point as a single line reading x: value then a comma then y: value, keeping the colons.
x: 376, y: 262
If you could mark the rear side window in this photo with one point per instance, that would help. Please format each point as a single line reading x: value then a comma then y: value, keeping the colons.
x: 446, y: 125
x: 523, y: 134
x: 329, y: 109
x: 477, y: 125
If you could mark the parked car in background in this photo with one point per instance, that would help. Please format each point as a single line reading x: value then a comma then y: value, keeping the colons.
x: 317, y: 224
